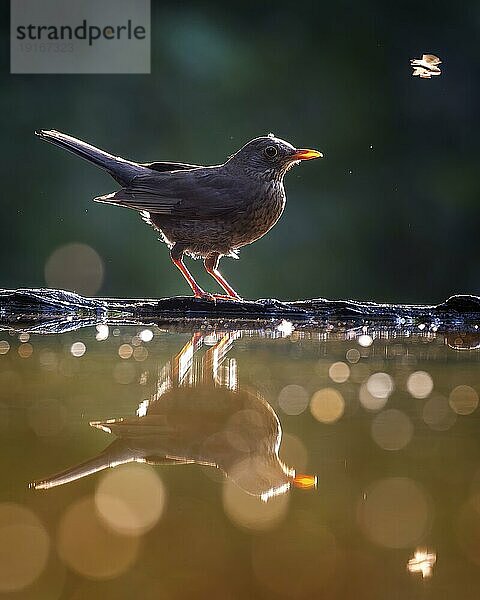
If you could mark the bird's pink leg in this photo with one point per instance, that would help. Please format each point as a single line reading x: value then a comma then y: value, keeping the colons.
x: 211, y: 264
x: 196, y: 289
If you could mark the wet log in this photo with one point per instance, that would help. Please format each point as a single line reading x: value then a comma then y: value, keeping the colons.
x: 54, y: 311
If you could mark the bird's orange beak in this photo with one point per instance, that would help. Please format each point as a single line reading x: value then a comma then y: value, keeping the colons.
x: 303, y: 154
x: 305, y: 482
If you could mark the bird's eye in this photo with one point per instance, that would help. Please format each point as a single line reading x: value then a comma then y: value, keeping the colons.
x: 271, y: 151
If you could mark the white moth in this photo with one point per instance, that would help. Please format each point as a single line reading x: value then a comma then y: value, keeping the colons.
x: 426, y: 67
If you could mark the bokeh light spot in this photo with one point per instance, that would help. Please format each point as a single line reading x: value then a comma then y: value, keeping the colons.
x: 327, y: 405
x: 380, y: 385
x: 24, y: 547
x: 140, y: 354
x: 420, y: 384
x: 25, y: 350
x: 463, y: 399
x: 146, y: 335
x: 136, y: 340
x: 76, y: 267
x: 125, y: 351
x: 392, y: 429
x: 365, y: 340
x: 352, y: 355
x: 368, y: 401
x: 339, y: 372
x: 130, y: 499
x: 87, y: 546
x: 293, y: 399
x: 78, y: 349
x: 394, y: 512
x: 102, y: 332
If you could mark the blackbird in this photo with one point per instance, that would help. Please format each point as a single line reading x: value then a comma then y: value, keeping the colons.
x: 204, y: 212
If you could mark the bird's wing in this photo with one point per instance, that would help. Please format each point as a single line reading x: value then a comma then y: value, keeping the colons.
x: 431, y: 59
x: 191, y: 194
x: 163, y: 167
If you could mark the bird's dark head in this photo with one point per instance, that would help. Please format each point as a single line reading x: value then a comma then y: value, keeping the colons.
x: 270, y: 157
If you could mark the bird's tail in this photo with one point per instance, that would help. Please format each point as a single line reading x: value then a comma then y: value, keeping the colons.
x: 116, y: 454
x: 120, y: 169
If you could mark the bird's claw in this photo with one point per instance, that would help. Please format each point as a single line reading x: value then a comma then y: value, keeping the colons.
x: 225, y: 297
x: 204, y: 296
x: 215, y: 297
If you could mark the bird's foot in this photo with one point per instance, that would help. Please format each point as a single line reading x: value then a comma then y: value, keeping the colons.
x: 215, y: 297
x: 211, y: 297
x: 226, y: 297
x: 204, y: 296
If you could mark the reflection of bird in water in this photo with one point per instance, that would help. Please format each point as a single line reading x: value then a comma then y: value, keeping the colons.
x: 199, y: 415
x: 426, y: 67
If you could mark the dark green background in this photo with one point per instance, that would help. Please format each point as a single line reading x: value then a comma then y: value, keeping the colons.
x: 398, y: 222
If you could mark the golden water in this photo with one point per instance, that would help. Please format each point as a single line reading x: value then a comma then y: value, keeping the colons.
x: 199, y: 504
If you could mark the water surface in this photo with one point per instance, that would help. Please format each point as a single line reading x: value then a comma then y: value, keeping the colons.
x: 199, y: 504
